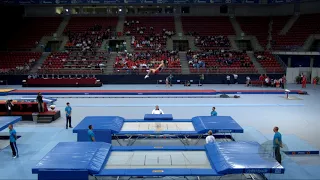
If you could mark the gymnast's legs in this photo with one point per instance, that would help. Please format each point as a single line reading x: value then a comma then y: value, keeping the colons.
x: 153, y: 71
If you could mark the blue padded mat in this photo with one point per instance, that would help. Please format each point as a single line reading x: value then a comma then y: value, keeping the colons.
x: 218, y: 124
x: 5, y: 121
x: 202, y: 124
x: 113, y: 123
x: 241, y: 157
x: 71, y: 156
x: 158, y: 117
x: 225, y: 158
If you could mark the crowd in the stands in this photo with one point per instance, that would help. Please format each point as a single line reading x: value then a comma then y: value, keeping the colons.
x: 221, y: 57
x: 89, y: 40
x: 212, y: 41
x: 22, y: 68
x: 146, y: 60
x: 146, y: 37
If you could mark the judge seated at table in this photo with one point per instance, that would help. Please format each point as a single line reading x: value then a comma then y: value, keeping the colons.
x: 157, y: 110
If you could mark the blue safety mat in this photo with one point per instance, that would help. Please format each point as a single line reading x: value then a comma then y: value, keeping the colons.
x: 113, y: 123
x: 241, y: 157
x: 158, y: 117
x: 225, y: 158
x: 5, y: 121
x: 202, y: 124
x: 75, y: 156
x: 218, y: 124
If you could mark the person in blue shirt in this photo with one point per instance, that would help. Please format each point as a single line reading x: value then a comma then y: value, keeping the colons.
x: 277, y: 144
x: 13, y: 139
x: 68, y: 110
x: 91, y: 134
x: 214, y: 112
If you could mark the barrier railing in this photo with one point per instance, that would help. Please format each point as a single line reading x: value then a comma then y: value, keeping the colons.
x: 185, y: 71
x: 103, y: 71
x: 202, y: 71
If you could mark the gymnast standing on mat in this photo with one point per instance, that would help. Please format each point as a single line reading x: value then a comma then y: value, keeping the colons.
x: 155, y: 71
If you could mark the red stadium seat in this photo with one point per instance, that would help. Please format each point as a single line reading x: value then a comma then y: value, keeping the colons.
x: 158, y: 24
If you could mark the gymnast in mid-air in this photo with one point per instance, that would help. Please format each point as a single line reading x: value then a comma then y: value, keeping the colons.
x: 155, y: 71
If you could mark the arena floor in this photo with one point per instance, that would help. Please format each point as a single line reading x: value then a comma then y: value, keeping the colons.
x: 298, y: 116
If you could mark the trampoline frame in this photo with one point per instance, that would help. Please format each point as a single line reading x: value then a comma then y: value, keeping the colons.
x: 183, y: 138
x: 225, y: 158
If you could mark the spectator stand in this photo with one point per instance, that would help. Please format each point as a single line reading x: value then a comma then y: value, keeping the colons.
x: 139, y: 62
x: 295, y: 38
x: 31, y: 30
x: 87, y: 33
x: 212, y: 42
x: 75, y: 62
x: 220, y: 61
x: 209, y: 32
x: 269, y: 62
x: 17, y: 62
x: 149, y: 33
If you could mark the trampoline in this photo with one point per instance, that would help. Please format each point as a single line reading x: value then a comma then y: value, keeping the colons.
x: 5, y: 121
x: 77, y: 160
x: 107, y: 128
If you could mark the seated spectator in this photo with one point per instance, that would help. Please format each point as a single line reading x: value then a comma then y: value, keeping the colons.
x: 147, y: 59
x: 212, y: 41
x: 157, y: 110
x: 92, y: 38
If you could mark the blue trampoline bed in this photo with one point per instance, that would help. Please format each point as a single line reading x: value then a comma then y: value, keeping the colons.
x: 78, y: 160
x: 107, y: 128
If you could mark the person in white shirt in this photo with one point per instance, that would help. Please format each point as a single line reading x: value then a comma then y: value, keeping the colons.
x: 248, y: 81
x: 210, y: 138
x: 267, y: 80
x: 228, y: 79
x: 157, y: 110
x: 235, y: 76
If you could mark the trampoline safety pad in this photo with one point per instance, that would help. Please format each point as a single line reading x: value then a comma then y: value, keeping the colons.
x: 158, y: 126
x: 102, y: 159
x: 158, y: 159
